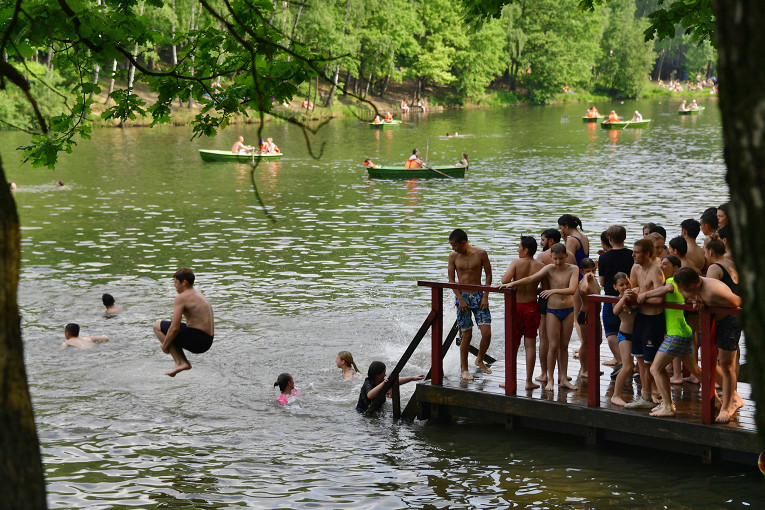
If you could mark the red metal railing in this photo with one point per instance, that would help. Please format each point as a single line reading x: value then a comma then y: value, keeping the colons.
x: 706, y: 344
x: 706, y: 341
x: 437, y: 307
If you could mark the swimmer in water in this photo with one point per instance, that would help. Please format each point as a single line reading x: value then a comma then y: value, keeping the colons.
x: 73, y: 338
x: 345, y: 361
x: 286, y: 385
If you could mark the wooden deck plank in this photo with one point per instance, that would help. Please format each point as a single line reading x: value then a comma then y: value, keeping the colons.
x: 567, y: 411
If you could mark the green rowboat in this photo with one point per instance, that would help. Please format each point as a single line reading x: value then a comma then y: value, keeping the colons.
x: 229, y: 156
x: 399, y: 172
x: 625, y: 124
x: 691, y: 112
x: 593, y: 119
x: 384, y: 125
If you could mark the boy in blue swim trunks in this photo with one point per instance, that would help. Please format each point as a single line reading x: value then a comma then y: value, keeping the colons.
x: 563, y: 279
x: 466, y: 264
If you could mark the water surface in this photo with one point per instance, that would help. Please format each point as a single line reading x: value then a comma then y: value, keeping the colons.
x: 337, y: 270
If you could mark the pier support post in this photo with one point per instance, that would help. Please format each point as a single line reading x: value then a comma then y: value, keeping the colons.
x: 511, y: 351
x: 708, y: 368
x: 593, y: 354
x: 437, y: 363
x: 396, y: 397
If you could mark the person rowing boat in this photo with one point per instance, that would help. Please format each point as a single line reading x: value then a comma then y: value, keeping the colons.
x: 414, y: 160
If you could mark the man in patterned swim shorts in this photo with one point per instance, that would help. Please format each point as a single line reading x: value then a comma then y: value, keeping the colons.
x: 466, y: 263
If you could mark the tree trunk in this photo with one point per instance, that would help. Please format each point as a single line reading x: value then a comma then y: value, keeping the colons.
x: 331, y: 96
x: 741, y: 52
x: 297, y: 18
x: 369, y: 82
x: 111, y: 84
x: 172, y: 36
x: 22, y: 484
x: 315, y: 94
x: 345, y: 83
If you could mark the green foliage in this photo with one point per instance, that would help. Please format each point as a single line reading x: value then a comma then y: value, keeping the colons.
x: 561, y: 47
x: 625, y: 59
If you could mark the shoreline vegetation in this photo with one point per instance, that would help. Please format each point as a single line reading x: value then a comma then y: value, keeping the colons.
x: 346, y: 106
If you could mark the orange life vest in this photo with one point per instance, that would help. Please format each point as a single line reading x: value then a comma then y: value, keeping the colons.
x: 263, y: 147
x: 613, y: 117
x: 377, y: 120
x: 590, y: 114
x: 388, y: 118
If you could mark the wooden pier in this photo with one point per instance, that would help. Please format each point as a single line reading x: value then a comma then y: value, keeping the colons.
x: 587, y: 411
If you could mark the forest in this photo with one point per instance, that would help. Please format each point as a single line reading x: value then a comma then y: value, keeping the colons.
x: 535, y: 52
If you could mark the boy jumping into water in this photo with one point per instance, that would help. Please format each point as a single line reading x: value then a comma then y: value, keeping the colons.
x: 563, y: 279
x: 526, y: 304
x: 466, y: 263
x: 196, y: 335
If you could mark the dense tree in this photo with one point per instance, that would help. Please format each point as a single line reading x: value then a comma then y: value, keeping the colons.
x: 561, y: 45
x: 625, y: 59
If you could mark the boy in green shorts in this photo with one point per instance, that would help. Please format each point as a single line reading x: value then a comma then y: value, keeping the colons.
x: 678, y: 342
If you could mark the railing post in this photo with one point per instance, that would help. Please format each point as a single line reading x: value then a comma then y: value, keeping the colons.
x: 708, y: 368
x: 593, y: 353
x: 436, y: 363
x: 396, y: 397
x: 511, y: 353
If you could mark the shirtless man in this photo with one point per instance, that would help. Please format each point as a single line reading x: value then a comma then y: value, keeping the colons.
x: 240, y: 148
x: 701, y: 292
x: 196, y: 335
x: 690, y: 231
x: 466, y: 263
x: 678, y: 247
x: 649, y: 328
x: 73, y: 338
x: 563, y: 279
x: 108, y: 301
x: 527, y: 308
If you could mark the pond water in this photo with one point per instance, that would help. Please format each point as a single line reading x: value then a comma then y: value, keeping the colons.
x: 336, y: 270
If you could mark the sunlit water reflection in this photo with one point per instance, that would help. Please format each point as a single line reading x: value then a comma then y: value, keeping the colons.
x: 336, y: 271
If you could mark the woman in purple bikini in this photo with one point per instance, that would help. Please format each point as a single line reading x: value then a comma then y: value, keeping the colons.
x: 578, y: 244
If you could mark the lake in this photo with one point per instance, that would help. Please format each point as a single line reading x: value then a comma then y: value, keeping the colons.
x: 334, y: 269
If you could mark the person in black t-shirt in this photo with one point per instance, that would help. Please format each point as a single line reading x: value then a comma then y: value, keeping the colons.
x: 374, y: 383
x: 616, y: 260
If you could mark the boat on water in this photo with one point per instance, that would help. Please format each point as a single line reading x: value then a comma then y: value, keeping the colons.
x: 430, y: 172
x: 694, y: 111
x: 625, y: 124
x: 211, y: 155
x: 384, y: 125
x: 593, y: 119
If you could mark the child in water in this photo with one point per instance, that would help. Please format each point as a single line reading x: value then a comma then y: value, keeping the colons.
x: 286, y: 385
x: 345, y: 361
x: 374, y: 383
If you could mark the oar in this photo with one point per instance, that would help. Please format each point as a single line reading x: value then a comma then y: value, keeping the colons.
x: 437, y: 171
x: 627, y: 124
x: 427, y: 149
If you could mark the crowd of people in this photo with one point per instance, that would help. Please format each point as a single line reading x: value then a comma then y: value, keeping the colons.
x: 699, y: 84
x: 551, y: 301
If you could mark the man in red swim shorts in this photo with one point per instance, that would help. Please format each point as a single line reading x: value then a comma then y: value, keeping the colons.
x: 526, y: 303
